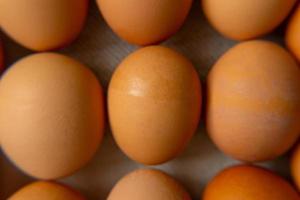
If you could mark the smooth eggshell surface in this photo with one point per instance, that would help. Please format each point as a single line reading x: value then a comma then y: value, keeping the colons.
x: 253, y: 102
x: 292, y: 37
x: 43, y: 25
x: 51, y: 113
x: 145, y: 22
x: 46, y: 191
x: 249, y: 183
x: 154, y: 101
x: 246, y: 19
x: 147, y: 184
x: 295, y: 166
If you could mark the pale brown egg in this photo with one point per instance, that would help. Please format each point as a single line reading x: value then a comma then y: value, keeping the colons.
x: 295, y: 166
x: 246, y: 19
x: 253, y: 105
x: 42, y: 190
x: 292, y: 36
x: 154, y: 101
x: 43, y: 25
x: 249, y: 183
x: 148, y: 184
x: 145, y: 22
x: 51, y: 113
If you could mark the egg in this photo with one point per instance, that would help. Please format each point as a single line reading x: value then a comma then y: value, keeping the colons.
x: 46, y: 191
x: 154, y: 101
x: 249, y: 183
x: 148, y: 184
x: 43, y: 25
x: 145, y: 22
x: 292, y: 36
x: 295, y: 166
x: 246, y: 19
x: 51, y: 114
x: 253, y: 101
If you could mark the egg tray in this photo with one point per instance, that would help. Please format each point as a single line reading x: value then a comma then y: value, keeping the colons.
x: 100, y: 49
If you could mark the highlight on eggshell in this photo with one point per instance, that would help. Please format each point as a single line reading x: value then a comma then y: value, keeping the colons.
x: 246, y: 19
x: 253, y: 101
x: 145, y: 22
x: 52, y: 115
x: 248, y: 183
x: 43, y: 190
x: 154, y: 104
x: 148, y: 184
x: 295, y: 166
x: 292, y: 37
x: 43, y: 25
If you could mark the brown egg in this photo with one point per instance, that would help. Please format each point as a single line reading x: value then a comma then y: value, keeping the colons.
x: 148, y: 184
x: 292, y: 37
x: 145, y: 22
x: 295, y: 166
x: 249, y: 183
x: 253, y: 106
x: 43, y: 25
x: 246, y: 19
x: 154, y: 101
x: 42, y: 190
x: 51, y: 113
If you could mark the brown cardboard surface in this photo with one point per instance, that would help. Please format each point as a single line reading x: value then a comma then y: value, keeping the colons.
x: 100, y: 49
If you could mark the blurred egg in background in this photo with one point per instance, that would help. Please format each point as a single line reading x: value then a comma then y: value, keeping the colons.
x: 43, y: 25
x: 145, y: 22
x: 52, y: 115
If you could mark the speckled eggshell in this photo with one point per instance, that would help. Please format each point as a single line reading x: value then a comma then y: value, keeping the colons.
x: 43, y: 25
x: 253, y: 101
x: 249, y: 183
x: 154, y: 101
x: 148, y: 184
x: 246, y: 19
x: 145, y: 22
x: 295, y: 166
x: 292, y: 37
x: 42, y: 190
x: 51, y: 113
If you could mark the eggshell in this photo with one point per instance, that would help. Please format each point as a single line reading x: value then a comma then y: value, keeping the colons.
x: 246, y: 19
x: 295, y: 166
x: 154, y: 101
x: 292, y: 37
x: 148, y: 184
x: 249, y: 183
x: 145, y: 22
x: 43, y: 25
x: 46, y: 191
x: 51, y: 113
x: 253, y: 105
